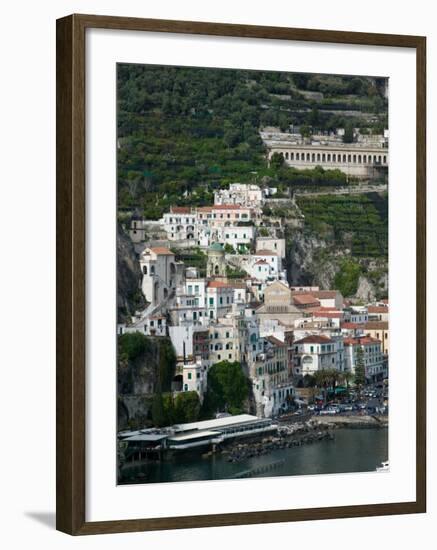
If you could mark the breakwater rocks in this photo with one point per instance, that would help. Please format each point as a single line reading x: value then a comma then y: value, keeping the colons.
x: 287, y: 436
x: 351, y: 421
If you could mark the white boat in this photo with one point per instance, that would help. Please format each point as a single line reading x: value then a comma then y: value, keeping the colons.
x: 385, y: 467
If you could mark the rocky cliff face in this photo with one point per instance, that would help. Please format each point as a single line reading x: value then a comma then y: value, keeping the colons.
x: 315, y: 260
x: 144, y: 363
x: 129, y: 295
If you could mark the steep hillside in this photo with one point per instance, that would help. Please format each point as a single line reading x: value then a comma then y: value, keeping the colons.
x: 182, y: 132
x: 145, y: 365
x: 129, y: 295
x: 340, y: 242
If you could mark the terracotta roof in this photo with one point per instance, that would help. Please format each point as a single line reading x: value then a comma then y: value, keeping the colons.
x: 351, y: 325
x: 305, y: 299
x: 204, y: 208
x: 314, y: 339
x: 259, y: 262
x: 275, y: 341
x: 229, y: 207
x: 265, y: 252
x: 237, y: 284
x: 180, y: 209
x: 375, y: 325
x: 377, y: 309
x: 360, y: 341
x: 325, y: 294
x: 218, y: 284
x: 161, y: 251
x: 328, y: 314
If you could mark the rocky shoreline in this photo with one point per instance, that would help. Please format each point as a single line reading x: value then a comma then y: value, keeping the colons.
x: 297, y: 434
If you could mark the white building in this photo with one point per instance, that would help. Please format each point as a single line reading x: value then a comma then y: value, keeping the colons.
x: 180, y: 224
x: 161, y: 274
x: 272, y: 387
x: 371, y: 354
x: 327, y: 298
x: 277, y: 246
x: 356, y: 314
x: 240, y: 238
x: 264, y: 266
x: 194, y: 377
x: 221, y: 216
x: 183, y: 338
x: 318, y: 352
x: 219, y: 299
x: 190, y: 303
x: 244, y: 194
x: 155, y: 325
x: 378, y: 313
x: 224, y: 341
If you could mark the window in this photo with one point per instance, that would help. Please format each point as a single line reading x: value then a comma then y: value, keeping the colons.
x: 198, y: 375
x: 189, y: 376
x: 311, y: 349
x: 186, y: 387
x: 211, y: 301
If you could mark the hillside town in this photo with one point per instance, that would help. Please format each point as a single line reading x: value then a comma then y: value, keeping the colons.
x: 237, y: 304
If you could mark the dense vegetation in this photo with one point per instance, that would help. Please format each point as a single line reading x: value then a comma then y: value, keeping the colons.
x: 183, y: 132
x: 359, y: 222
x: 169, y: 408
x: 143, y: 356
x: 193, y: 257
x: 346, y: 280
x: 227, y: 390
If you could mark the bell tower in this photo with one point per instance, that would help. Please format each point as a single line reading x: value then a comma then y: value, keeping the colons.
x: 216, y: 265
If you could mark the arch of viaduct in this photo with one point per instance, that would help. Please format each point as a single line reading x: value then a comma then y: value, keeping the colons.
x: 354, y: 161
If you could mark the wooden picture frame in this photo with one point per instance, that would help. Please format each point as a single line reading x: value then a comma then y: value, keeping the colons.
x: 71, y: 247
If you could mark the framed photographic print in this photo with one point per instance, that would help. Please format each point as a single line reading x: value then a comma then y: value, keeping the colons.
x: 240, y: 274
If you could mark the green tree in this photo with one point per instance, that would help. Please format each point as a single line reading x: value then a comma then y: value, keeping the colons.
x: 305, y: 131
x: 277, y: 161
x: 347, y: 378
x: 229, y: 249
x: 227, y: 388
x: 360, y: 369
x: 348, y: 136
x: 321, y: 379
x: 166, y: 364
x: 158, y: 416
x: 346, y: 280
x: 186, y: 407
x: 132, y: 345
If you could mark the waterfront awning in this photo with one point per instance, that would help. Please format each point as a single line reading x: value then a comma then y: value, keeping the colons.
x: 152, y: 438
x: 196, y: 435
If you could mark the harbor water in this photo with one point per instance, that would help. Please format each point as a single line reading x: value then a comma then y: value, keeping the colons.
x: 352, y: 450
